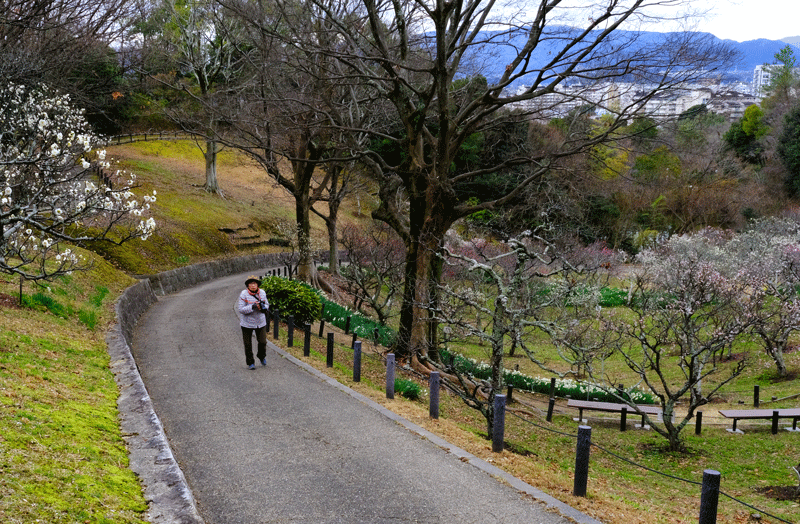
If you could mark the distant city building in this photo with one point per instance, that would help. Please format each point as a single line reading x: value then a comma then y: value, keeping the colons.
x: 731, y: 103
x: 762, y: 76
x: 761, y: 79
x: 729, y: 100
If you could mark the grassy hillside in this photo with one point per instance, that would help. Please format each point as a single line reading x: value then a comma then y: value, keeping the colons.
x: 62, y: 458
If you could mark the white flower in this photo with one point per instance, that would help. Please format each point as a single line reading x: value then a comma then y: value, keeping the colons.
x: 85, y: 164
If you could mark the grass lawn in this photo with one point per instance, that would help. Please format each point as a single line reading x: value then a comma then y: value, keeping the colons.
x: 632, y: 479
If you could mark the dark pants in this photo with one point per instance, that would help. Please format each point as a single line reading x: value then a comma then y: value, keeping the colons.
x: 261, y: 336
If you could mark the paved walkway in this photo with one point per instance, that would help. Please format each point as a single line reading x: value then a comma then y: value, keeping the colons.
x: 286, y: 444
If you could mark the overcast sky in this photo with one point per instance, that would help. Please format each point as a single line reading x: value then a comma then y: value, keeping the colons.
x: 743, y: 20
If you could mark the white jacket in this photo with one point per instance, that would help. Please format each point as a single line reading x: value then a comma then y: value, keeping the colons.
x: 250, y: 317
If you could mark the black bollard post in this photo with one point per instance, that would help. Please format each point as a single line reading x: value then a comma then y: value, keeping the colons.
x: 756, y: 391
x: 698, y: 423
x: 509, y: 394
x: 709, y: 498
x: 623, y: 419
x: 290, y: 331
x: 433, y: 385
x: 321, y: 327
x: 347, y: 325
x: 499, y: 424
x: 353, y: 343
x: 582, y: 461
x: 550, y: 406
x: 552, y: 387
x: 277, y: 321
x: 357, y: 361
x: 329, y: 355
x: 390, y: 375
x: 307, y: 340
x: 775, y: 414
x: 375, y: 336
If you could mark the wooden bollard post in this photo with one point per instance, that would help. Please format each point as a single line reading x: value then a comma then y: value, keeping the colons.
x: 329, y: 355
x: 709, y: 497
x: 390, y: 375
x: 499, y: 424
x: 307, y: 340
x: 550, y: 405
x: 582, y: 461
x: 357, y: 361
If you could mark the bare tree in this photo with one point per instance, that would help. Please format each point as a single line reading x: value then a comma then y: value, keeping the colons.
x: 200, y: 41
x: 529, y: 285
x: 409, y: 54
x: 374, y: 276
x: 64, y: 43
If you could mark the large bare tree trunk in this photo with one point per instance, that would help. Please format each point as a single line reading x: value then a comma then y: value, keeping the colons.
x: 212, y: 186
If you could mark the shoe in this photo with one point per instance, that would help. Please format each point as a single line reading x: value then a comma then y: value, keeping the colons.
x: 251, y: 366
x: 264, y: 361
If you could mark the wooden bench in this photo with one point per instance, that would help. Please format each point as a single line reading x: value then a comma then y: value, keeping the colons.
x: 750, y: 414
x: 613, y: 407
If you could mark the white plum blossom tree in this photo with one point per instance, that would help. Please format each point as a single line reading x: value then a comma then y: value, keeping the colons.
x: 683, y: 315
x: 56, y: 191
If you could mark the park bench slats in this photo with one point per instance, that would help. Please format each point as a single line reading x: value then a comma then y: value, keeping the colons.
x: 613, y: 407
x: 752, y: 414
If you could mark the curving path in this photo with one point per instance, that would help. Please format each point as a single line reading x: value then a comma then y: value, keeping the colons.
x: 285, y: 444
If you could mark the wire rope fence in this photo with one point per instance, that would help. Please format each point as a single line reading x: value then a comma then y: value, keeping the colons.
x: 383, y: 358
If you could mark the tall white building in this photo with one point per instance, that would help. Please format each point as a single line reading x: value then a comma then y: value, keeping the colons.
x: 761, y: 79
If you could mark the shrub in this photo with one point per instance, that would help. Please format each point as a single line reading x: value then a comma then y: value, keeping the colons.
x: 46, y: 301
x: 407, y: 388
x: 88, y: 318
x: 292, y: 297
x: 613, y: 297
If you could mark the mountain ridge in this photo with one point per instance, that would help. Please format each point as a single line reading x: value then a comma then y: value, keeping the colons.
x: 751, y: 52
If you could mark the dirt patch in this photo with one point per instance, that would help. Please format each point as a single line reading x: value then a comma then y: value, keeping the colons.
x: 781, y: 492
x: 8, y: 301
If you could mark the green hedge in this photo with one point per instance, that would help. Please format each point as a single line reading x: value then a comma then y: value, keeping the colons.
x: 362, y: 326
x: 292, y: 297
x: 564, y: 387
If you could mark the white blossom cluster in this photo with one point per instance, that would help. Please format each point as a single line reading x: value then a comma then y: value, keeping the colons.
x: 56, y: 188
